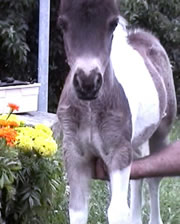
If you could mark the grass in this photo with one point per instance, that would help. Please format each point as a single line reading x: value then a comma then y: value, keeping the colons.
x: 169, y: 199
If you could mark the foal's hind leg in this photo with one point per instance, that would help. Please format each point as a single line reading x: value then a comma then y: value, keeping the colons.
x: 155, y: 216
x: 136, y: 190
x: 136, y: 201
x: 157, y: 143
x: 79, y: 174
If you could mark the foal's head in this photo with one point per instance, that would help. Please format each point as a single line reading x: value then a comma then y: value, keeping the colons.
x: 88, y: 27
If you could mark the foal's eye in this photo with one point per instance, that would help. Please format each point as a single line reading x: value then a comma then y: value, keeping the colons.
x: 62, y: 22
x: 113, y: 23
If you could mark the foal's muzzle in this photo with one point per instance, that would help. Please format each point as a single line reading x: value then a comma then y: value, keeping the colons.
x: 87, y: 86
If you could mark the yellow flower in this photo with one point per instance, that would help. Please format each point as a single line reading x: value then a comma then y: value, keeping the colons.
x: 45, y: 129
x: 26, y: 131
x: 38, y: 139
x: 24, y: 142
x: 45, y: 146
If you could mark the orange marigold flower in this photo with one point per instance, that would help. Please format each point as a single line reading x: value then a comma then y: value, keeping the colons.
x: 3, y: 123
x: 13, y: 106
x: 9, y: 134
x: 12, y: 124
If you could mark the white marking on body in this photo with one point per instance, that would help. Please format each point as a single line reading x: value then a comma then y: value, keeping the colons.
x: 78, y: 217
x: 118, y: 211
x: 131, y: 71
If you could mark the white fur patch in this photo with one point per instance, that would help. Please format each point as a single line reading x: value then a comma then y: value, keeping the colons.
x: 118, y: 212
x: 131, y: 71
x: 78, y: 217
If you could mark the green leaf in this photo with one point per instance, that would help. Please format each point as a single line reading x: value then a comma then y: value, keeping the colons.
x: 2, y: 181
x: 31, y: 202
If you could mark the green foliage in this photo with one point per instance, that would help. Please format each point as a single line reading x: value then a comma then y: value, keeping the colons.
x: 175, y: 131
x: 15, y: 19
x: 31, y: 186
x: 99, y: 203
x: 170, y: 200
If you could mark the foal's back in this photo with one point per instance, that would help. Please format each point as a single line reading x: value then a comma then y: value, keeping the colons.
x: 158, y: 64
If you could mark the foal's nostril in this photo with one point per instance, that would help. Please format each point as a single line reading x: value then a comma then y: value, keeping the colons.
x: 77, y: 81
x: 97, y: 80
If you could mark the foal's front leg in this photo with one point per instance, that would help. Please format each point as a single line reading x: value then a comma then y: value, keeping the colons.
x: 118, y: 211
x: 79, y: 174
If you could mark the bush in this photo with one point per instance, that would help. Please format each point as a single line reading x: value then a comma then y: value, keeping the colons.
x: 16, y: 53
x: 32, y: 182
x: 29, y: 186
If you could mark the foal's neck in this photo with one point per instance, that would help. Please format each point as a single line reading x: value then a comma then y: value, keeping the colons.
x: 110, y: 81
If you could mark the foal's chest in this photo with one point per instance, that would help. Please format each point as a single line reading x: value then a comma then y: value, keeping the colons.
x: 102, y: 129
x: 88, y: 133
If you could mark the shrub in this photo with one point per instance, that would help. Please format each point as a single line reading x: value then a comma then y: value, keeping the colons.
x: 32, y: 182
x: 16, y: 54
x: 29, y: 184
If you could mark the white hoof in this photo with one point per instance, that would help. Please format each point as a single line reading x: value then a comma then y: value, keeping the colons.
x: 155, y: 222
x: 136, y: 222
x: 78, y: 217
x: 118, y: 216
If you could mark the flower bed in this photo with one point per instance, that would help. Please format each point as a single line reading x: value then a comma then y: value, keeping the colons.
x: 31, y: 173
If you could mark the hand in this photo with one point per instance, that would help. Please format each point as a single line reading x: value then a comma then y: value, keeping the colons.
x: 100, y: 171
